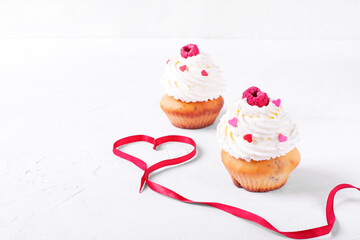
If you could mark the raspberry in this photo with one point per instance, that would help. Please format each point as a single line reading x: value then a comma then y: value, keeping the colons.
x: 189, y: 50
x: 256, y: 97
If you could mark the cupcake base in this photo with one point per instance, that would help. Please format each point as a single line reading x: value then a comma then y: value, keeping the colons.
x: 261, y: 176
x: 191, y: 115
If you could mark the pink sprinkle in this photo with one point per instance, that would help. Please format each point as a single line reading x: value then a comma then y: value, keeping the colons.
x: 282, y: 138
x: 204, y: 73
x: 233, y: 122
x: 189, y: 50
x: 168, y: 61
x: 276, y: 102
x: 248, y: 137
x: 182, y: 68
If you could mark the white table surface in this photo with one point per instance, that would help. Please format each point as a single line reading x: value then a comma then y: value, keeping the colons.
x: 65, y: 101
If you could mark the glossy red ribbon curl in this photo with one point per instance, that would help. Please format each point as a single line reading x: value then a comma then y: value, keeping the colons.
x: 238, y: 212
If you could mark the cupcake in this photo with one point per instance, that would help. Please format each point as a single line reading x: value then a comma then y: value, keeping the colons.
x: 258, y: 142
x: 193, y: 88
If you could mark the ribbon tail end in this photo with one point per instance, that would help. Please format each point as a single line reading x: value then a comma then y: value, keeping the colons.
x: 142, y: 185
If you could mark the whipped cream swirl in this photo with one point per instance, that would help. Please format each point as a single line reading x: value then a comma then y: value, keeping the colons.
x: 191, y: 85
x: 265, y: 124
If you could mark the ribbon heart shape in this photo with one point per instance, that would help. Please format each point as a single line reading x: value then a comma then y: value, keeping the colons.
x: 156, y: 142
x: 238, y: 212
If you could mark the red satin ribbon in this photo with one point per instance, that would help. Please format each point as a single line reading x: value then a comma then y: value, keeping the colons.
x: 303, y: 234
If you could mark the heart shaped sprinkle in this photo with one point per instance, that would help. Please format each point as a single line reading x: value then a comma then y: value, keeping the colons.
x: 282, y: 138
x: 204, y: 73
x: 276, y: 102
x: 248, y: 137
x: 182, y: 68
x: 233, y: 122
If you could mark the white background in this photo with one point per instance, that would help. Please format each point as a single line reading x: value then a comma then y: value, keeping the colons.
x: 78, y: 75
x: 254, y: 19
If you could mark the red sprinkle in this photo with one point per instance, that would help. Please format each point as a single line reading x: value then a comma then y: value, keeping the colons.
x: 189, y: 50
x: 183, y: 68
x: 248, y: 137
x: 256, y: 97
x: 204, y: 73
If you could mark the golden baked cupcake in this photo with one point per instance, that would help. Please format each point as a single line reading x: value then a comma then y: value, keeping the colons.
x: 193, y: 86
x: 258, y: 142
